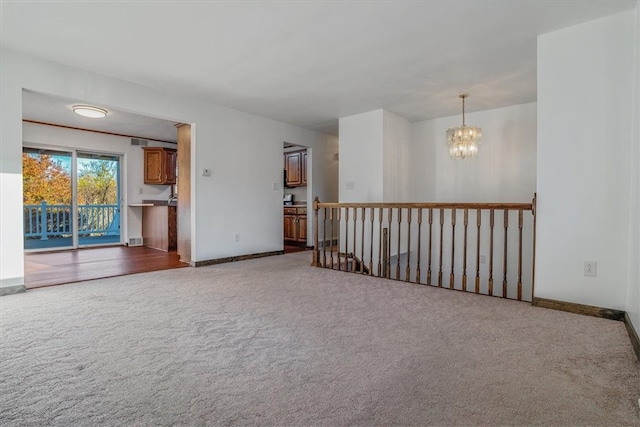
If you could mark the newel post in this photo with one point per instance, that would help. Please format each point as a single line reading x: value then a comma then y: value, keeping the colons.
x: 316, y: 246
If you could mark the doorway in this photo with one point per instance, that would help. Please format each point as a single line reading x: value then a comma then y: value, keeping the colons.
x: 297, y: 162
x: 71, y: 199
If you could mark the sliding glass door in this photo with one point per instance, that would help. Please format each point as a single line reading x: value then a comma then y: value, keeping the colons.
x: 98, y: 195
x: 70, y: 199
x: 47, y: 199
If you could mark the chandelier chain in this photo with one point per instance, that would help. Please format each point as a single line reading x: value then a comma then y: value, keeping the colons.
x: 463, y: 96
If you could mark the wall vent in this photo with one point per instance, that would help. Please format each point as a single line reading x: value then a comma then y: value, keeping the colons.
x: 135, y: 241
x: 139, y: 142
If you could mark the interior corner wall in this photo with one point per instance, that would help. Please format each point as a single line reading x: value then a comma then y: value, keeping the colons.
x: 584, y: 147
x: 396, y: 158
x: 361, y: 165
x: 11, y: 239
x: 504, y: 171
x: 633, y: 293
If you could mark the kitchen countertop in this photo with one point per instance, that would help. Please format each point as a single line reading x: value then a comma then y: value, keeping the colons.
x: 148, y: 203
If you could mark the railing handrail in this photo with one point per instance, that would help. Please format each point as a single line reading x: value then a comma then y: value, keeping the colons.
x: 428, y: 205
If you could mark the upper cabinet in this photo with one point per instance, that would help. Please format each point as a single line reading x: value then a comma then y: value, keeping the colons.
x: 159, y: 165
x: 295, y: 165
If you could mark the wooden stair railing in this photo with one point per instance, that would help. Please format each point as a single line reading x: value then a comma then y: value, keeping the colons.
x: 399, y: 240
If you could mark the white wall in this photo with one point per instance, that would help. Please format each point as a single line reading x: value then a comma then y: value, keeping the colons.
x: 584, y: 170
x: 504, y: 171
x: 633, y: 293
x: 132, y: 180
x: 396, y: 158
x: 361, y: 157
x: 243, y: 151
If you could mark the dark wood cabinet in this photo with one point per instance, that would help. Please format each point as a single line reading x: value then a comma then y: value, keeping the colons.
x: 302, y: 228
x: 295, y: 225
x: 159, y: 165
x: 159, y: 227
x: 295, y: 166
x: 289, y: 227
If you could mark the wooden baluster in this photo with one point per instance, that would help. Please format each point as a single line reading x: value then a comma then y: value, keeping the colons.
x: 478, y: 224
x: 441, y: 240
x: 346, y: 239
x: 504, y: 260
x: 464, y: 256
x: 373, y: 212
x: 385, y: 252
x: 355, y: 217
x: 491, y: 217
x: 419, y: 244
x: 362, y: 242
x: 388, y: 268
x: 316, y: 249
x: 324, y: 233
x: 408, y: 271
x: 338, y: 248
x: 430, y: 240
x: 331, y: 243
x: 355, y: 242
x: 453, y: 247
x: 380, y: 245
x: 398, y: 251
x: 520, y: 255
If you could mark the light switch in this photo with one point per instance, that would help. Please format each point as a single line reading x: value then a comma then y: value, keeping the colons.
x: 206, y: 172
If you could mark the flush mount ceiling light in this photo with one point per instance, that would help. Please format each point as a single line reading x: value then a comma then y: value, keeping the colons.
x: 463, y: 141
x: 89, y: 111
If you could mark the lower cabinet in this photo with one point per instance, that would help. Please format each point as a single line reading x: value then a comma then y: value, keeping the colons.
x: 295, y: 225
x: 160, y: 228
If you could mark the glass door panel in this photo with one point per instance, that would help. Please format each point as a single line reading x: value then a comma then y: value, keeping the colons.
x: 98, y: 196
x: 47, y: 199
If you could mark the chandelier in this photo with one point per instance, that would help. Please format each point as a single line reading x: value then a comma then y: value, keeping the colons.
x: 463, y: 141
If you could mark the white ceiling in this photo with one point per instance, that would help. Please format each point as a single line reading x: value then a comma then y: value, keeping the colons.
x: 307, y: 63
x: 49, y: 109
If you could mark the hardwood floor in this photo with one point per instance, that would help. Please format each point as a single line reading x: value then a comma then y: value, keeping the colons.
x: 55, y: 268
x: 288, y: 249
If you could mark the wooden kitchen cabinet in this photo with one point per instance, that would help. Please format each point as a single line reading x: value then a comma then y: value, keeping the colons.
x: 295, y: 165
x: 289, y: 227
x: 302, y: 228
x: 159, y: 165
x: 159, y: 227
x: 295, y: 225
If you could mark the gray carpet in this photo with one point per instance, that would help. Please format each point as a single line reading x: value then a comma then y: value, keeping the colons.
x: 273, y: 341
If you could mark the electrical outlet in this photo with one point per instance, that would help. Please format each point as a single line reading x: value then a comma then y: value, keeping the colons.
x: 237, y: 238
x: 276, y: 186
x: 590, y: 268
x: 483, y: 259
x: 140, y: 190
